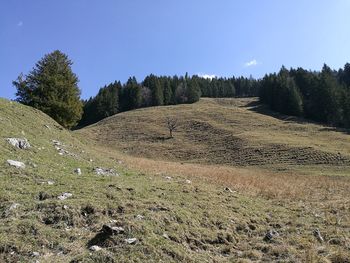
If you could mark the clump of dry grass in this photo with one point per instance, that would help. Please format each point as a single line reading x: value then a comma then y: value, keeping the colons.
x: 280, y: 158
x: 256, y: 182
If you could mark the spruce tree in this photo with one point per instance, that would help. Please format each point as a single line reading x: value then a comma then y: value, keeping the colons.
x: 104, y: 104
x: 192, y: 90
x: 152, y: 82
x: 168, y: 93
x: 131, y: 95
x: 293, y: 101
x: 52, y: 87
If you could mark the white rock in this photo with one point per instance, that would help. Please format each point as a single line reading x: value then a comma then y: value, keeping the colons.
x: 188, y: 182
x: 168, y: 177
x: 139, y: 217
x: 35, y: 254
x: 13, y: 206
x: 78, y: 171
x: 229, y: 190
x: 56, y: 143
x: 105, y: 172
x: 131, y: 240
x: 50, y: 182
x: 95, y: 248
x: 20, y: 143
x: 318, y: 235
x: 65, y: 196
x: 118, y: 229
x: 16, y: 164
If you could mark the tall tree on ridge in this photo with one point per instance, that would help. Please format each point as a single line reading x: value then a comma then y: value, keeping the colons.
x: 52, y: 87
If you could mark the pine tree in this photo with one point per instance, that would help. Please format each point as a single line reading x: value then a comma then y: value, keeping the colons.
x: 52, y: 87
x: 131, y: 96
x: 192, y: 90
x: 152, y: 82
x: 104, y: 104
x: 168, y: 93
x: 293, y: 101
x: 328, y: 97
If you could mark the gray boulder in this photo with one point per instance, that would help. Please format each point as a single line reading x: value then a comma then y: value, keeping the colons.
x: 20, y: 143
x: 16, y: 164
x: 112, y: 230
x: 105, y: 172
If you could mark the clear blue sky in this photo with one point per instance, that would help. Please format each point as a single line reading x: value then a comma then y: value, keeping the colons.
x: 113, y: 39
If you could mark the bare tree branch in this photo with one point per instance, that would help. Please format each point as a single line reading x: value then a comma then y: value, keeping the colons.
x: 171, y: 124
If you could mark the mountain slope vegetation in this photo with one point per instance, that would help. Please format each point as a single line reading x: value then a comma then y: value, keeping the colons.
x: 74, y: 194
x: 225, y: 131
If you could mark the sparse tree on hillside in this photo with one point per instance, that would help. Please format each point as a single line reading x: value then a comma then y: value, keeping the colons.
x: 52, y: 87
x: 171, y: 124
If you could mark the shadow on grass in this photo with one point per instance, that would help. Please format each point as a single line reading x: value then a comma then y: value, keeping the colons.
x: 260, y: 108
x: 162, y: 138
x: 103, y: 240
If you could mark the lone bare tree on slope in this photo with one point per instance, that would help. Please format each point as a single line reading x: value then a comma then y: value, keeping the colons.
x: 171, y: 124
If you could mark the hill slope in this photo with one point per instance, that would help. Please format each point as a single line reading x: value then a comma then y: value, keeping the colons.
x: 224, y: 131
x: 161, y: 217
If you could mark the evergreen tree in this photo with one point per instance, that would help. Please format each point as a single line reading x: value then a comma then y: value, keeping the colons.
x: 293, y: 101
x: 168, y: 93
x: 104, y: 104
x: 152, y: 82
x: 192, y: 90
x: 131, y: 96
x: 345, y: 75
x: 328, y: 97
x: 52, y: 87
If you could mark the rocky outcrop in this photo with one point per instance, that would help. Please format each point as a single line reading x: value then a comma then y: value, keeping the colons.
x: 20, y: 143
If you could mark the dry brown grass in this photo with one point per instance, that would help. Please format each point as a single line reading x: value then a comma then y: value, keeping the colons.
x: 256, y: 182
x: 271, y: 156
x: 203, y: 221
x: 225, y: 132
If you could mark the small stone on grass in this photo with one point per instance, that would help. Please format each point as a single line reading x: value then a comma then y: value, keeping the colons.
x: 64, y: 196
x: 16, y: 164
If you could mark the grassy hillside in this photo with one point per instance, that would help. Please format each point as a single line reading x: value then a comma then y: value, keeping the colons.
x: 176, y: 212
x: 226, y: 131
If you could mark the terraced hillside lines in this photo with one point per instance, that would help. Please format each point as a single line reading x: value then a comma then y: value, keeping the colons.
x: 223, y: 131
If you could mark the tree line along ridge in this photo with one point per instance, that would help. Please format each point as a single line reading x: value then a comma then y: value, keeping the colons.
x: 52, y: 87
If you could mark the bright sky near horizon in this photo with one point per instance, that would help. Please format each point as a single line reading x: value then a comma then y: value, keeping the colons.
x: 111, y: 40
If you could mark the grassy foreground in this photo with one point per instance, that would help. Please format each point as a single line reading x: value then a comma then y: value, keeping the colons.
x: 177, y: 212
